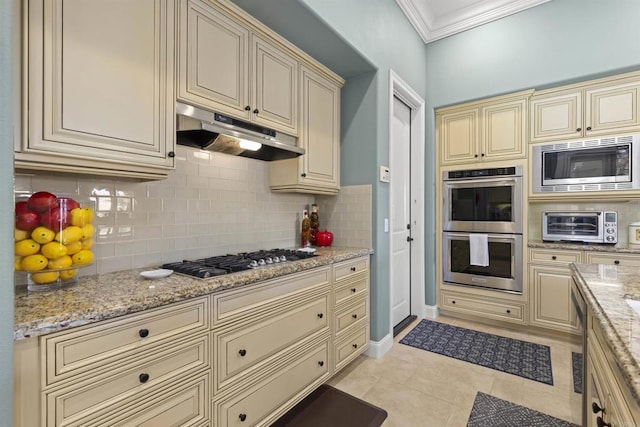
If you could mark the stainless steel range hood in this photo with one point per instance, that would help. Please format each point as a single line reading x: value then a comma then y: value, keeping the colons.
x: 211, y: 131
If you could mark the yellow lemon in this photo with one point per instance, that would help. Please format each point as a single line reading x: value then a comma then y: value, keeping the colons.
x: 68, y: 274
x: 17, y: 263
x: 88, y: 231
x: 20, y: 235
x: 62, y: 262
x: 46, y: 277
x: 83, y: 257
x: 81, y: 216
x: 42, y: 235
x: 69, y: 235
x: 87, y: 244
x: 74, y: 248
x: 35, y: 262
x: 53, y: 250
x: 26, y: 247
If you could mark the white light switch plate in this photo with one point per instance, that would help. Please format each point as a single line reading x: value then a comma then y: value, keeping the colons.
x: 385, y: 174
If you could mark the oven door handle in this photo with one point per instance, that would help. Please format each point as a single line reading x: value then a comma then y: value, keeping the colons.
x: 492, y: 237
x: 483, y: 182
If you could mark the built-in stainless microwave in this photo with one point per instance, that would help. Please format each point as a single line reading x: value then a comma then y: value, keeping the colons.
x: 604, y: 164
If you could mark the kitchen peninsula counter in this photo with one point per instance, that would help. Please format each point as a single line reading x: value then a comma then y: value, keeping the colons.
x: 106, y: 296
x: 606, y: 289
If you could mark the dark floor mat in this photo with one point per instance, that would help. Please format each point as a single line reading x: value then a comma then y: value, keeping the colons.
x: 517, y: 357
x: 491, y: 411
x: 329, y: 407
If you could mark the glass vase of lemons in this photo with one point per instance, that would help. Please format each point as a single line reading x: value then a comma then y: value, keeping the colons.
x: 53, y: 239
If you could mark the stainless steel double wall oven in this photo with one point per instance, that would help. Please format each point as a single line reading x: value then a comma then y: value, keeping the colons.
x: 489, y: 202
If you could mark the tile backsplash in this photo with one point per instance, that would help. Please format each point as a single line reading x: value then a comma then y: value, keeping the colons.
x: 211, y: 204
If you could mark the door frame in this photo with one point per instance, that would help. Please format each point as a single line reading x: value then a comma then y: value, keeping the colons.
x: 401, y: 90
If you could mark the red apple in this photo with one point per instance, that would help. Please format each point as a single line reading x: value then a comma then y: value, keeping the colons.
x: 68, y: 203
x: 56, y: 219
x: 27, y: 220
x: 21, y: 207
x: 42, y: 201
x: 324, y: 238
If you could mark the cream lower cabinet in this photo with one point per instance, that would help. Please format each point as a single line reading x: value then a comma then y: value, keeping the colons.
x: 550, y: 289
x: 98, y: 88
x: 271, y: 347
x: 230, y: 65
x: 146, y: 368
x: 606, y: 386
x: 592, y: 109
x: 351, y: 311
x: 487, y: 130
x: 318, y: 170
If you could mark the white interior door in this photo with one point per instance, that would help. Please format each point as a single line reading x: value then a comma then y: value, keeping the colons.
x: 400, y: 157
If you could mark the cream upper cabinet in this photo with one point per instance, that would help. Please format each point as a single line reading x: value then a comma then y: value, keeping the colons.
x: 226, y: 67
x: 491, y: 129
x: 595, y: 109
x: 318, y: 170
x: 98, y: 87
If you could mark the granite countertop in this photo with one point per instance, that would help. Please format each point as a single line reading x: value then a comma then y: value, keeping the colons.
x: 595, y: 247
x: 605, y: 288
x: 106, y: 296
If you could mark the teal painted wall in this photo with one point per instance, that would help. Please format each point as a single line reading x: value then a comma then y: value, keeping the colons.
x: 6, y: 215
x: 559, y: 42
x: 380, y: 32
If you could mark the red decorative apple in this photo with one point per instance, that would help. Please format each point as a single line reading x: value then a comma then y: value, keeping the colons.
x: 56, y: 219
x: 67, y: 203
x: 42, y: 201
x: 26, y: 219
x: 324, y: 238
x: 21, y: 207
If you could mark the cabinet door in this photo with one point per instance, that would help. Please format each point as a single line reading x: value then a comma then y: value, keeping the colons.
x: 504, y: 130
x: 458, y: 136
x: 274, y: 87
x: 100, y: 82
x: 551, y: 298
x: 556, y: 116
x: 213, y: 55
x: 612, y: 109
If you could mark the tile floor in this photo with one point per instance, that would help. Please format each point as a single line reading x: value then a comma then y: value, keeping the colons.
x: 420, y: 388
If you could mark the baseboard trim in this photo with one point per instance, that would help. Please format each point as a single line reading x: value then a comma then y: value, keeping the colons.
x: 431, y: 311
x: 377, y: 349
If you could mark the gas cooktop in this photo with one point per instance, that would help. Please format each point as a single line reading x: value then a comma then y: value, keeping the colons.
x: 225, y: 264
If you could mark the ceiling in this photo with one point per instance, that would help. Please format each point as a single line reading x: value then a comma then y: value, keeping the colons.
x: 436, y: 19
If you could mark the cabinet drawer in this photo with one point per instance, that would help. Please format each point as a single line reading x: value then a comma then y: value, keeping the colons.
x: 350, y: 268
x: 613, y: 259
x: 554, y: 256
x: 185, y: 404
x: 351, y: 290
x: 262, y: 297
x: 501, y: 310
x: 79, y: 350
x: 264, y: 402
x: 350, y: 316
x: 351, y: 347
x: 80, y: 403
x: 238, y: 347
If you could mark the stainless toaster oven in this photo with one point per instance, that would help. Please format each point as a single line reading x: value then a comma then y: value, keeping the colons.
x: 586, y: 227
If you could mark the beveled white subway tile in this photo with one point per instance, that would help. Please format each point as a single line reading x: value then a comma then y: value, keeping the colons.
x: 159, y: 218
x: 181, y: 243
x: 131, y: 218
x: 199, y: 205
x: 111, y: 264
x: 176, y: 230
x: 148, y: 204
x: 149, y: 231
x: 174, y: 255
x: 208, y: 194
x: 176, y: 179
x: 103, y: 188
x: 133, y: 247
x: 197, y: 181
x: 22, y: 184
x: 160, y: 190
x: 187, y: 217
x: 197, y: 253
x: 58, y: 185
x: 208, y: 171
x: 174, y: 205
x: 151, y: 260
x: 187, y: 193
x: 103, y: 250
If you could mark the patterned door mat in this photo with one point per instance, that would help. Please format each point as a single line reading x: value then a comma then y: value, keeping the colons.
x: 490, y: 411
x: 522, y: 358
x: 576, y: 368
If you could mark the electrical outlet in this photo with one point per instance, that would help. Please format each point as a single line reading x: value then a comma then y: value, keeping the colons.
x: 385, y: 175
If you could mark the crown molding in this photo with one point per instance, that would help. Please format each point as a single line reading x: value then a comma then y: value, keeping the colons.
x: 432, y: 28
